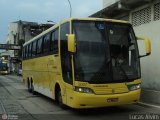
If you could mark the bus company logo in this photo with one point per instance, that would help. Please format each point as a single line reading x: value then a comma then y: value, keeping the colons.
x: 4, y: 116
x: 101, y: 86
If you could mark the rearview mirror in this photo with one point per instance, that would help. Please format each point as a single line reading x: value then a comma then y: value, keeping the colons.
x: 71, y: 43
x: 147, y: 46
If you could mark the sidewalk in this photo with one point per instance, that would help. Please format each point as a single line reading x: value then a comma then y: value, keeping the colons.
x: 157, y: 106
x: 150, y: 98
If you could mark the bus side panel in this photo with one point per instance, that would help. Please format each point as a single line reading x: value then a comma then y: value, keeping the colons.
x: 37, y: 70
x: 54, y: 73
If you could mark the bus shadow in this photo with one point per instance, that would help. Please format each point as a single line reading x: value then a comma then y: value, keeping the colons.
x: 114, y: 110
x: 104, y: 111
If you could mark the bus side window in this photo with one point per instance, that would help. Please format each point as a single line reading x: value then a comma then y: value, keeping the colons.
x: 34, y: 49
x: 23, y: 52
x: 39, y: 46
x: 26, y: 52
x: 30, y: 50
x: 54, y: 42
x: 46, y: 43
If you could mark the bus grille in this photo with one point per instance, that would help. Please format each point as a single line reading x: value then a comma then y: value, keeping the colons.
x: 104, y: 91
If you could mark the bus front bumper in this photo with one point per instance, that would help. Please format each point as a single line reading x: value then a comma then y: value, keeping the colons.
x: 84, y: 100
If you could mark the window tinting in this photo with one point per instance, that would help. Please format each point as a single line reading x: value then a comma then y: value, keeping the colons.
x: 54, y: 41
x: 105, y: 52
x: 26, y: 51
x: 46, y: 43
x: 92, y: 52
x: 43, y: 45
x: 24, y: 56
x: 39, y: 46
x: 65, y: 56
x: 30, y: 50
x: 34, y: 49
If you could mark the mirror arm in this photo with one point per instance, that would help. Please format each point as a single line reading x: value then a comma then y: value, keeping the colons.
x: 144, y: 55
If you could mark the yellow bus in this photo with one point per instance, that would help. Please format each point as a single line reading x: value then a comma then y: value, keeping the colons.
x: 85, y: 63
x: 4, y: 69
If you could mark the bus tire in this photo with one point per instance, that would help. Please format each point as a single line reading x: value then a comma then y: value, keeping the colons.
x: 32, y: 88
x: 58, y: 97
x: 60, y: 101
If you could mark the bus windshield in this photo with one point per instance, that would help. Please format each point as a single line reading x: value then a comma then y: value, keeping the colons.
x: 3, y: 66
x: 106, y: 52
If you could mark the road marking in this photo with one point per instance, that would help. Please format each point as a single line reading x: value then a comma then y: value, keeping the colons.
x: 149, y: 105
x: 3, y: 108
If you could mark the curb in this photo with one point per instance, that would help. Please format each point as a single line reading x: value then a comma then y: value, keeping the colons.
x: 148, y: 105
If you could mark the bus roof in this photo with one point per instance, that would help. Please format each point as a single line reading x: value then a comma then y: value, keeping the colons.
x: 69, y: 19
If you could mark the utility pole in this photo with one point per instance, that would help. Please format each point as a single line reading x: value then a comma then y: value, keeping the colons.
x: 70, y: 8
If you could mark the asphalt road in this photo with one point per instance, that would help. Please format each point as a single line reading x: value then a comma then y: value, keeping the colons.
x: 18, y: 104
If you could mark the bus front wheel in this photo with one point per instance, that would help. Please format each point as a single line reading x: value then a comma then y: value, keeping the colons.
x: 59, y: 99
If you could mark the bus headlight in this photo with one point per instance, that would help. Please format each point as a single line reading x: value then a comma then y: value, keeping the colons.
x: 83, y: 89
x: 134, y: 87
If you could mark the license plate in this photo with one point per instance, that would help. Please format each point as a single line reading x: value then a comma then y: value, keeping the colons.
x: 112, y: 100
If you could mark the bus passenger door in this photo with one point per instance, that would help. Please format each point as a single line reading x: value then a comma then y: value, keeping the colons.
x: 66, y: 63
x: 67, y: 78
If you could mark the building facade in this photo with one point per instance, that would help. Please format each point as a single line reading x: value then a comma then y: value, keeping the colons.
x: 20, y: 32
x: 145, y: 18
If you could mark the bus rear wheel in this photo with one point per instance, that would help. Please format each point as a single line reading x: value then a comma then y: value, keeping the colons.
x: 32, y: 88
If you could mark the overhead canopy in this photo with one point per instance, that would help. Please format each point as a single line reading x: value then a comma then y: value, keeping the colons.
x: 10, y: 47
x: 120, y: 7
